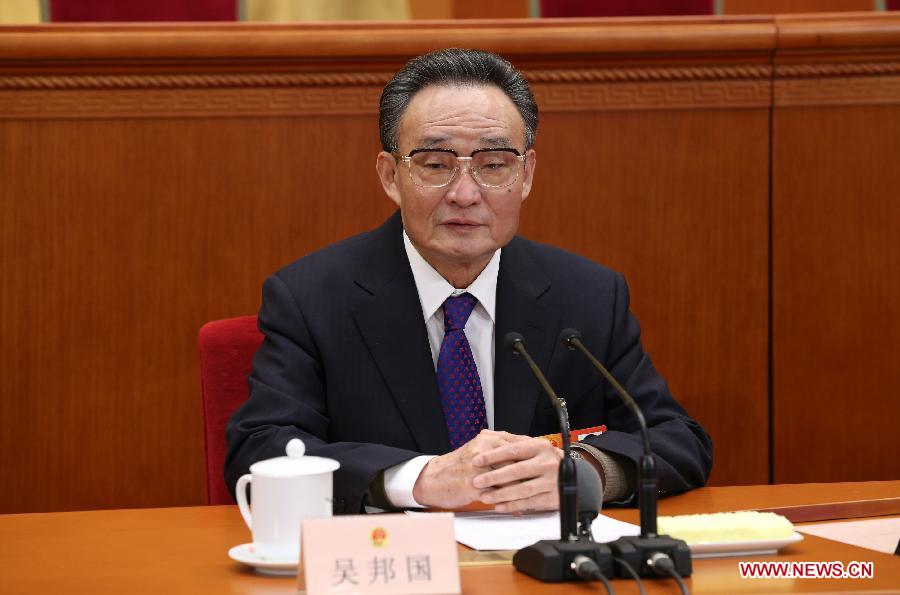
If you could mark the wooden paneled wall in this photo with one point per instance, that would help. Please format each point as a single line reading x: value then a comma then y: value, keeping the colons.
x: 151, y: 177
x: 836, y: 250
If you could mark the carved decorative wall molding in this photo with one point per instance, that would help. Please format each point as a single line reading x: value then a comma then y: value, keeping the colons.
x: 195, y: 81
x: 203, y: 80
x: 655, y: 73
x: 642, y: 96
x: 279, y: 94
x: 866, y: 90
x: 836, y: 69
x: 161, y: 103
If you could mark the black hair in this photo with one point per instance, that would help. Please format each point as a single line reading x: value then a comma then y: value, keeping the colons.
x: 449, y: 67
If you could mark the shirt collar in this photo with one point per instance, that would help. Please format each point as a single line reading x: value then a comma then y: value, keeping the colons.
x: 434, y: 289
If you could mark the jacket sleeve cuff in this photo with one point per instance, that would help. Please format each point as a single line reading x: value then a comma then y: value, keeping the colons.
x: 617, y: 485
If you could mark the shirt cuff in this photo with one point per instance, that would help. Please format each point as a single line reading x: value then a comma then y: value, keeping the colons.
x: 400, y: 479
x: 615, y: 480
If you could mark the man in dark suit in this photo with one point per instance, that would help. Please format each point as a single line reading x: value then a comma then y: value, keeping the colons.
x: 382, y: 351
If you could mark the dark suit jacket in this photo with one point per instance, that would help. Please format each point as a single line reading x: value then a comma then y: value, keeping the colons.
x: 346, y: 365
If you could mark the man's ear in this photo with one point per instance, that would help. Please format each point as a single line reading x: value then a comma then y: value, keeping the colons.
x: 386, y: 166
x: 530, y: 162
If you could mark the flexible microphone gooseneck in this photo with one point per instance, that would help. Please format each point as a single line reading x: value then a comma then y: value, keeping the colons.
x: 568, y: 486
x: 569, y: 557
x: 647, y: 552
x: 647, y: 491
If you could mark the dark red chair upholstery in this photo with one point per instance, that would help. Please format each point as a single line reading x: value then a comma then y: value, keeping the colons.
x: 155, y: 10
x: 226, y: 357
x: 624, y: 8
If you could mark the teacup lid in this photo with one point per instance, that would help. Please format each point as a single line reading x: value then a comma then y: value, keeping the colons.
x: 295, y: 463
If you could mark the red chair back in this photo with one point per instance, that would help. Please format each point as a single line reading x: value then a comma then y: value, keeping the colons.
x: 157, y: 10
x: 226, y: 357
x: 624, y: 8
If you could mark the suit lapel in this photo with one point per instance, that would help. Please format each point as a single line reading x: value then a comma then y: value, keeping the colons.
x: 519, y: 287
x: 389, y: 316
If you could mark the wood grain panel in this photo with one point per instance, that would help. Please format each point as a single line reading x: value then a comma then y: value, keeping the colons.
x: 171, y: 168
x: 836, y: 316
x: 182, y: 550
x: 120, y: 239
x: 153, y: 175
x: 861, y: 33
x: 678, y: 202
x: 367, y: 44
x: 836, y: 258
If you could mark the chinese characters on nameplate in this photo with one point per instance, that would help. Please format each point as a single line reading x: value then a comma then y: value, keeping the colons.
x: 379, y: 554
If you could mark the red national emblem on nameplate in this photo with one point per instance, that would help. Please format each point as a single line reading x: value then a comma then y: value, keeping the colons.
x: 379, y: 537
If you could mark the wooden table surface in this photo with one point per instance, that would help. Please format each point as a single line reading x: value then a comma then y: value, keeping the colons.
x: 184, y: 550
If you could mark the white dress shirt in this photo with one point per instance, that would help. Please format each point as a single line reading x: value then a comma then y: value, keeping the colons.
x: 433, y: 291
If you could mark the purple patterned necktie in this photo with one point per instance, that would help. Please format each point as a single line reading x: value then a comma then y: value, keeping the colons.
x: 457, y: 375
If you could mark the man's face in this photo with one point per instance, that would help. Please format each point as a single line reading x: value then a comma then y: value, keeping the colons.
x: 460, y: 225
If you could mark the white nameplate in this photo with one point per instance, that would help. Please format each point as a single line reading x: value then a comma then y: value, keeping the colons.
x: 379, y: 554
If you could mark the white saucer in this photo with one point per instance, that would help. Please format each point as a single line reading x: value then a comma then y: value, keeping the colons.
x: 719, y: 549
x: 246, y: 554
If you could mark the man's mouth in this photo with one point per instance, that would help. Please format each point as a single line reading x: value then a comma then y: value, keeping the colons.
x: 461, y: 223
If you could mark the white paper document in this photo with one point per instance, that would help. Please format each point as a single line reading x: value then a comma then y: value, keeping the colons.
x: 495, y: 531
x: 880, y: 535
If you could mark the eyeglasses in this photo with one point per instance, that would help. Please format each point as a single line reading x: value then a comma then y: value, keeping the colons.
x: 490, y: 168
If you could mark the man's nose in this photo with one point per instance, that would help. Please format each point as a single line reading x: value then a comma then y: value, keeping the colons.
x: 464, y: 190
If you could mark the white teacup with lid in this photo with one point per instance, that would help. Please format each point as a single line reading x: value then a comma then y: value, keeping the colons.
x: 286, y: 490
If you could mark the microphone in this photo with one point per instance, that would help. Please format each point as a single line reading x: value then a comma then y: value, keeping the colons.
x: 555, y: 560
x: 571, y: 339
x: 590, y: 497
x: 568, y: 490
x: 648, y: 550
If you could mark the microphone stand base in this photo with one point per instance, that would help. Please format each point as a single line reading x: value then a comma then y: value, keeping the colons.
x: 551, y: 560
x: 636, y: 551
